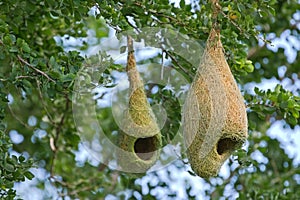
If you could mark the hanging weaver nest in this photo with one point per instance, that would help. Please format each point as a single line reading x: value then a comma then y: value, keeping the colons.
x: 140, y: 137
x: 214, y: 116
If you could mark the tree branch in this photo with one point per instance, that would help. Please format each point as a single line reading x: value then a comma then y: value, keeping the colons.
x: 53, y: 141
x: 176, y: 62
x: 24, y: 77
x: 253, y: 51
x: 35, y: 69
x: 43, y: 102
x: 17, y: 118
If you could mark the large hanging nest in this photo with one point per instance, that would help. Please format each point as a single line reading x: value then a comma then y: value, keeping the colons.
x: 140, y: 137
x: 214, y: 118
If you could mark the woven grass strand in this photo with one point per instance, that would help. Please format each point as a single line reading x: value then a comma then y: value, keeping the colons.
x: 214, y: 116
x: 140, y: 136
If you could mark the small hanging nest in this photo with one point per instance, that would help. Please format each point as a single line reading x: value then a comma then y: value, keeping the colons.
x: 214, y: 116
x: 140, y: 138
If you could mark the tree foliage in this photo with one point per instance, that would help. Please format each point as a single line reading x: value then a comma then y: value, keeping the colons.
x: 39, y: 67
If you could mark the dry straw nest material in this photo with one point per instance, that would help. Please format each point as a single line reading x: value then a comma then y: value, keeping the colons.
x: 214, y: 116
x: 140, y: 139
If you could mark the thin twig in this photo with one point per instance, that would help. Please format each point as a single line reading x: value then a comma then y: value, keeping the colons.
x: 56, y: 138
x: 62, y: 183
x: 275, y: 168
x: 176, y: 62
x: 218, y: 9
x: 21, y: 77
x: 253, y: 51
x: 231, y: 21
x: 161, y: 14
x: 162, y: 66
x: 62, y: 120
x: 37, y: 70
x: 282, y: 176
x: 249, y: 105
x: 81, y: 189
x: 54, y: 150
x: 71, y: 187
x: 135, y: 28
x: 43, y: 102
x: 114, y: 181
x: 17, y: 118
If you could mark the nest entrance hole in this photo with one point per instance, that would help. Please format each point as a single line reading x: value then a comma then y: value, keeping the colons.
x: 145, y: 148
x: 226, y: 145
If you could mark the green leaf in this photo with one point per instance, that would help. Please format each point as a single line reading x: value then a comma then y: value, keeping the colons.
x: 292, y: 120
x: 295, y: 113
x: 123, y: 49
x: 29, y: 175
x: 14, y: 159
x: 225, y: 9
x: 67, y: 78
x: 191, y: 173
x: 53, y: 63
x: 278, y: 88
x: 188, y: 7
x: 249, y: 68
x: 26, y: 48
x: 9, y: 167
x: 182, y: 3
x: 272, y: 10
x: 269, y: 110
x: 13, y: 49
x: 291, y: 103
x: 21, y: 159
x: 283, y: 105
x: 256, y: 90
